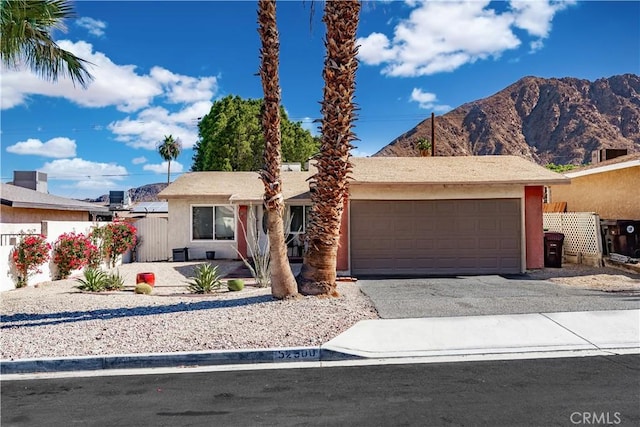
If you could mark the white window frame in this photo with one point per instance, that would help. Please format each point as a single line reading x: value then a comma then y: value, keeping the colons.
x: 213, y: 206
x: 304, y: 218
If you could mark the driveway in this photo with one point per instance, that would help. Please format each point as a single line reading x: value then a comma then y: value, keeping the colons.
x: 485, y: 295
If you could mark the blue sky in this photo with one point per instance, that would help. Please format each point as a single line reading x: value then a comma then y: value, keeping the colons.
x: 158, y: 66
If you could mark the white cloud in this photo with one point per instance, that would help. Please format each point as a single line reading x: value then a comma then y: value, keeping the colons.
x: 427, y: 100
x: 176, y: 167
x: 113, y: 85
x: 83, y: 178
x: 80, y: 170
x: 94, y: 26
x: 139, y: 160
x: 59, y: 147
x: 150, y: 126
x: 441, y: 36
x: 159, y: 103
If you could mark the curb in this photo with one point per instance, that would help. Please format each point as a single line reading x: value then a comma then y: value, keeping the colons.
x: 166, y: 360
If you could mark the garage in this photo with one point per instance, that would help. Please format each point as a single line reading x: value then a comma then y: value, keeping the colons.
x: 435, y: 237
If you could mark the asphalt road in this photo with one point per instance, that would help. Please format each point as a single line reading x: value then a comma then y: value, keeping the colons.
x: 493, y: 393
x: 481, y: 295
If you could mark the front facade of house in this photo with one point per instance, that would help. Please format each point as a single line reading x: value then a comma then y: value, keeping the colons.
x: 609, y: 188
x: 403, y: 216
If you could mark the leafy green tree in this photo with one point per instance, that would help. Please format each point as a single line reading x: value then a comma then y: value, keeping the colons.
x: 26, y: 27
x: 169, y: 150
x: 560, y: 168
x: 232, y: 139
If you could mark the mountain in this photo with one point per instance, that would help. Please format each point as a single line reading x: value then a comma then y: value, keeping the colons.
x: 146, y: 193
x: 558, y: 121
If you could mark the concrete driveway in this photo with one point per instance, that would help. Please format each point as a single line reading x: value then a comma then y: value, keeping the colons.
x: 486, y: 295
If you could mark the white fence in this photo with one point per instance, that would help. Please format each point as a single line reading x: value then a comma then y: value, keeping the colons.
x: 582, y: 236
x: 51, y: 230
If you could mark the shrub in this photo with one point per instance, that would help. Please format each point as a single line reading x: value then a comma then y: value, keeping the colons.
x: 115, y: 239
x: 206, y: 280
x: 71, y: 252
x: 114, y: 281
x: 235, y: 284
x: 29, y: 254
x: 143, y: 288
x: 95, y: 280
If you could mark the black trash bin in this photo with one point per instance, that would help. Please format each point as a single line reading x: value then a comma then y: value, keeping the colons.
x: 181, y: 254
x: 553, y: 249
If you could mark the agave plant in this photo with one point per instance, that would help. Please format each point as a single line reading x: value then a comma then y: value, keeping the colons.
x: 95, y: 280
x: 206, y: 280
x: 114, y: 281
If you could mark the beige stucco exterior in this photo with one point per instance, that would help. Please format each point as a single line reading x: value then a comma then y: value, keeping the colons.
x: 19, y: 215
x: 611, y: 194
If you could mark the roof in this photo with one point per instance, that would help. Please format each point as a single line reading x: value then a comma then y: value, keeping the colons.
x: 236, y: 186
x: 622, y: 162
x: 459, y: 170
x: 20, y: 197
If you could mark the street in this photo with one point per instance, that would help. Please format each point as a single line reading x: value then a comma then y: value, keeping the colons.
x: 569, y: 391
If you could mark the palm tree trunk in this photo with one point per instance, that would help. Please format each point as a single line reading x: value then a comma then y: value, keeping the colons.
x: 283, y: 282
x: 169, y: 172
x: 329, y: 186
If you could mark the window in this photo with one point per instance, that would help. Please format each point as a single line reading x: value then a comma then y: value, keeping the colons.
x: 213, y: 222
x: 299, y: 218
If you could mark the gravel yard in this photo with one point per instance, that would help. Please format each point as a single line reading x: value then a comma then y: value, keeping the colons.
x: 55, y: 319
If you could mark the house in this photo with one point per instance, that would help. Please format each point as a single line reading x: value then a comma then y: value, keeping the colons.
x: 24, y: 205
x: 609, y: 188
x: 403, y: 216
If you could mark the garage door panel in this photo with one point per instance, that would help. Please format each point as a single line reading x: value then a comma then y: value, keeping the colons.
x: 435, y: 237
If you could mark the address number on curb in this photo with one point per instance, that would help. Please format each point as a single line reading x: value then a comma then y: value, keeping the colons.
x: 305, y: 354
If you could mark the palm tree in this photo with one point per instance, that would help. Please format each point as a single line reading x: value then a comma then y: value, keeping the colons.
x: 283, y: 282
x: 169, y: 150
x: 330, y: 183
x: 26, y: 27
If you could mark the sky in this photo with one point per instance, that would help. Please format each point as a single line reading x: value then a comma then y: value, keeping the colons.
x: 159, y: 65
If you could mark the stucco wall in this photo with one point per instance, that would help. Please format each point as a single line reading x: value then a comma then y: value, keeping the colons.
x: 612, y: 195
x: 180, y: 231
x: 20, y: 215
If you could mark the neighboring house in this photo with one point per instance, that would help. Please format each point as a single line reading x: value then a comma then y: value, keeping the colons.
x: 24, y: 205
x: 404, y: 216
x: 609, y: 188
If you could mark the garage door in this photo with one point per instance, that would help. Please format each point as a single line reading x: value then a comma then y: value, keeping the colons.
x: 427, y: 237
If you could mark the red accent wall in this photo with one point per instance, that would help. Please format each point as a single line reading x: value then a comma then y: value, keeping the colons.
x: 342, y: 263
x: 534, y: 226
x: 242, y: 225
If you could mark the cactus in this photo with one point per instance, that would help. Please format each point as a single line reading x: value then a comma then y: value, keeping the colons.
x: 235, y: 284
x: 143, y: 288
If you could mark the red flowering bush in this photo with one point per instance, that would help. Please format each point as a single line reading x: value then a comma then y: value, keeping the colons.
x: 72, y: 252
x: 29, y: 254
x: 115, y: 239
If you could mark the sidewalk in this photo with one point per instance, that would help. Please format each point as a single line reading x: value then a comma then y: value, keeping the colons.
x: 564, y: 334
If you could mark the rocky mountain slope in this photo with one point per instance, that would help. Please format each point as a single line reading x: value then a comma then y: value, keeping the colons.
x: 558, y: 121
x: 146, y: 193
